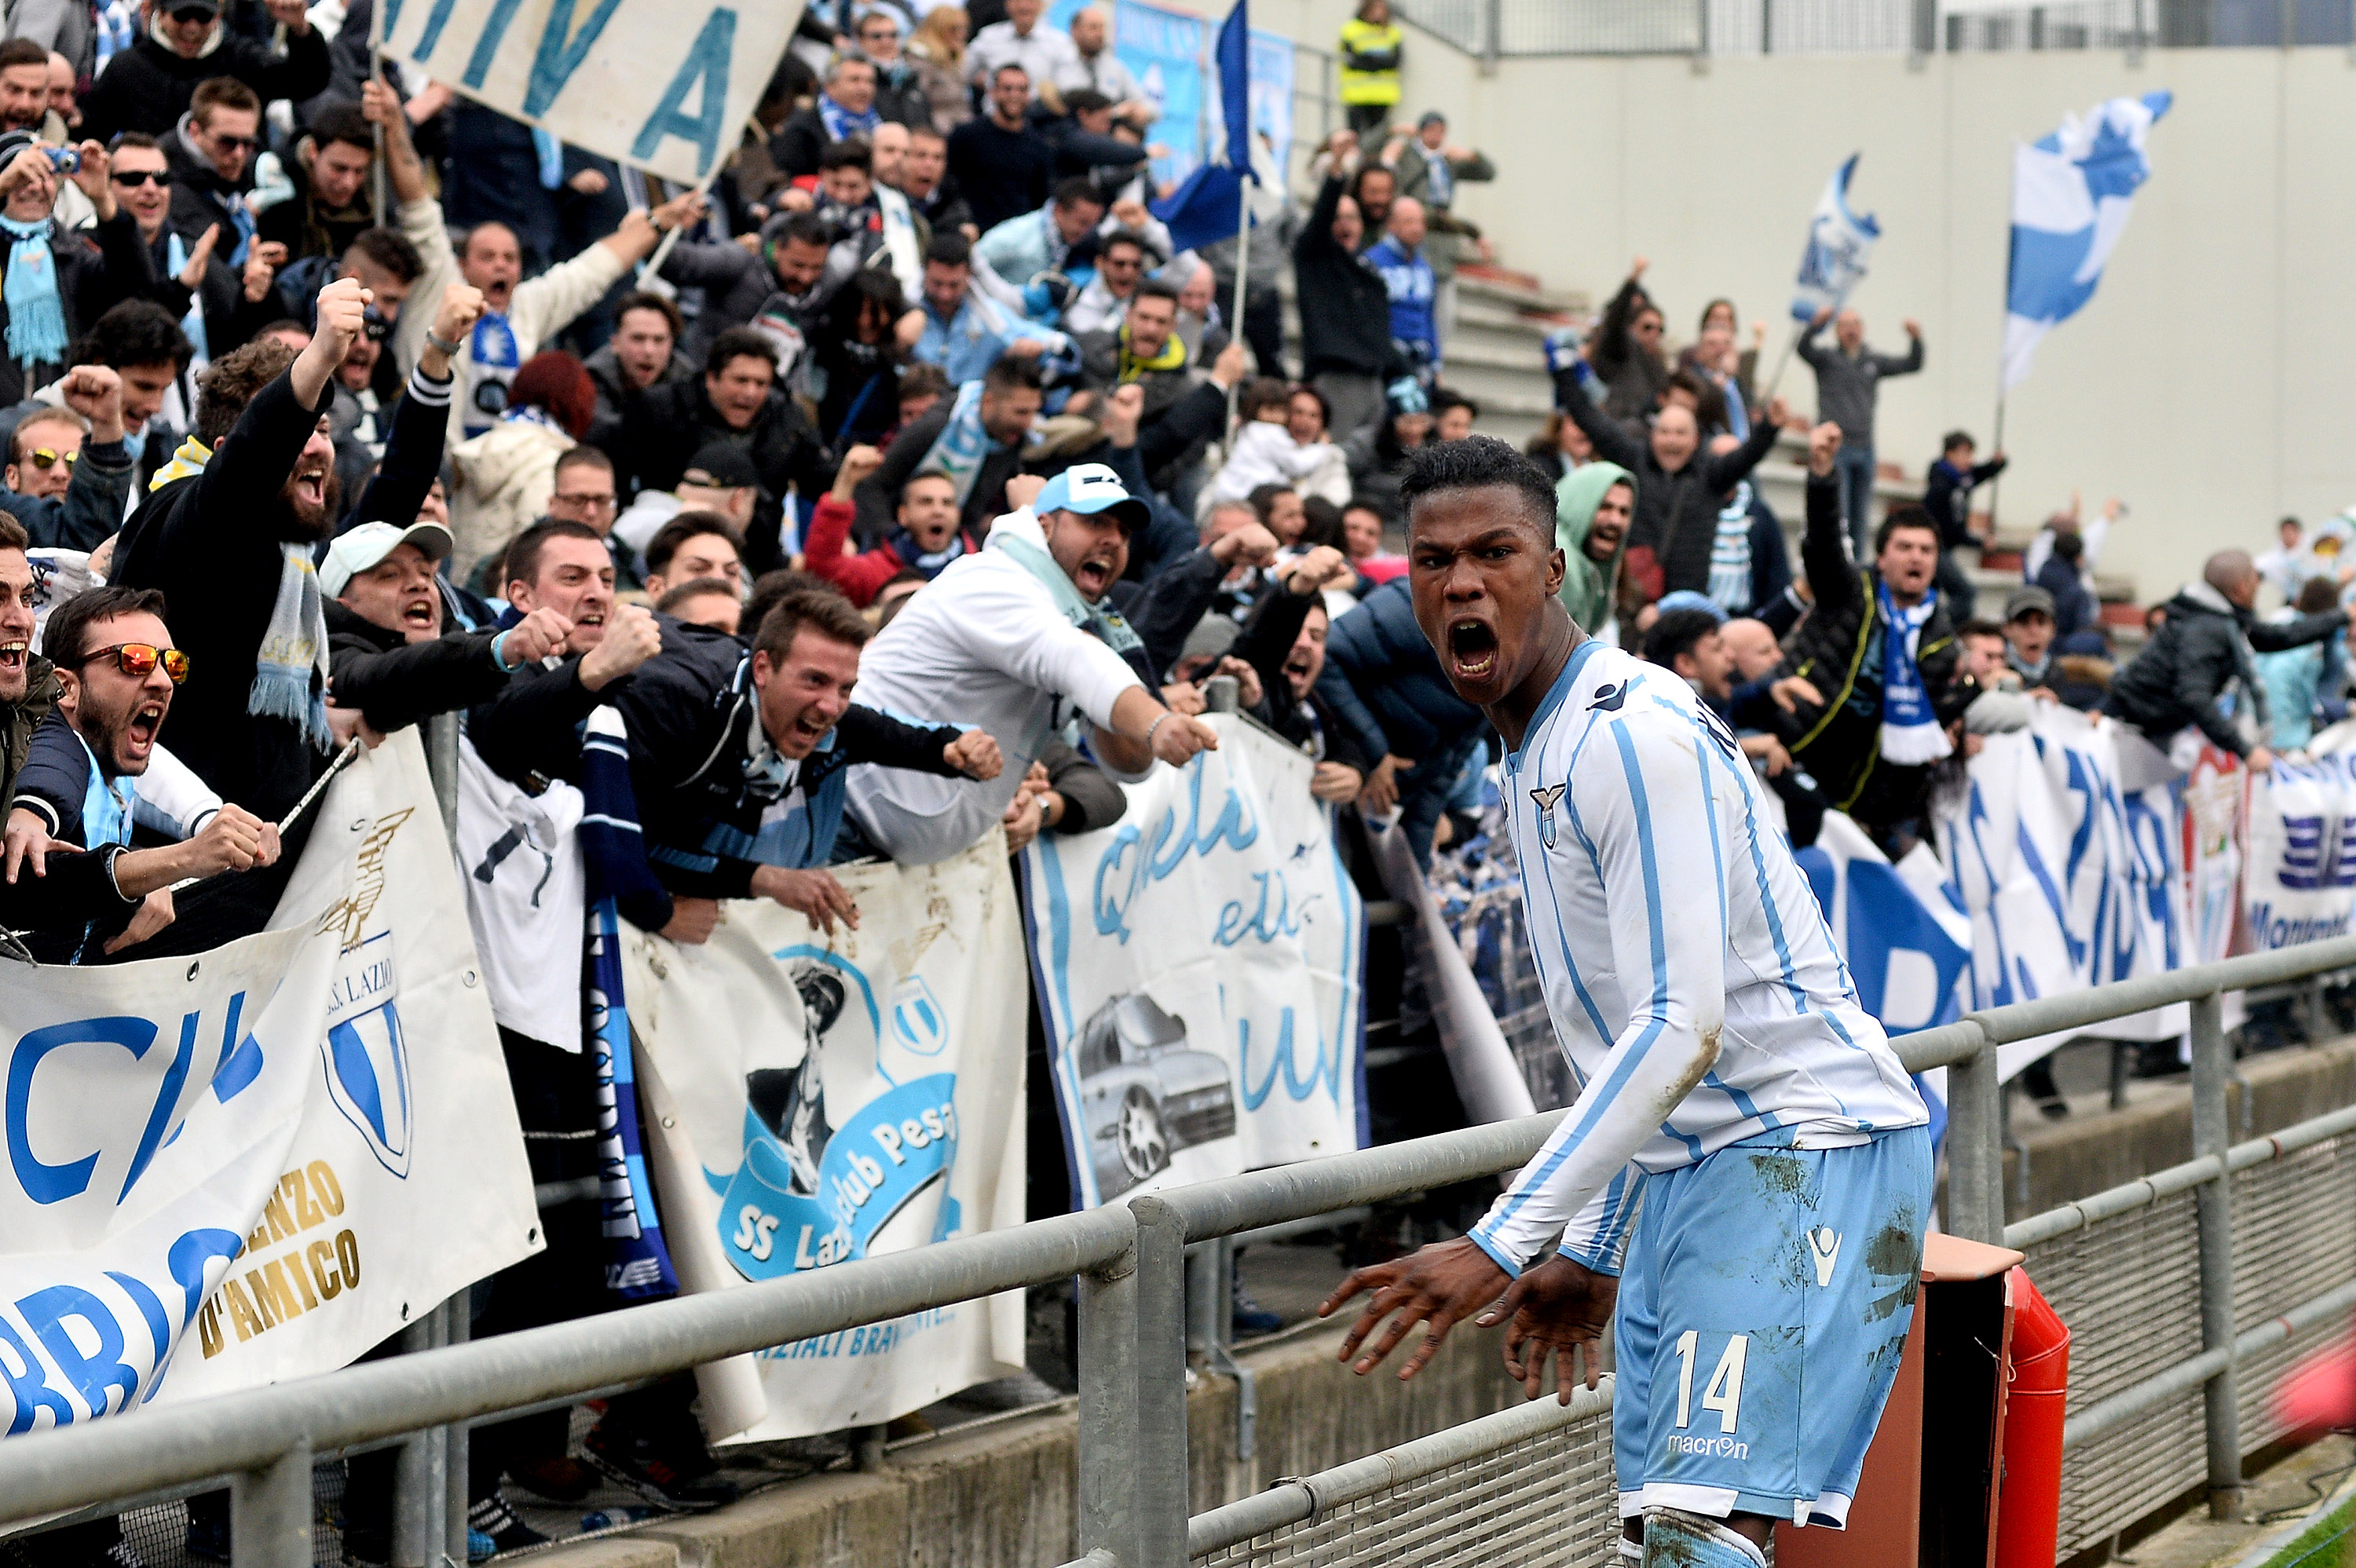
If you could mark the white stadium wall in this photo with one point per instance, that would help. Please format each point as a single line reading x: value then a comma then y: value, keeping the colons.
x: 2210, y: 383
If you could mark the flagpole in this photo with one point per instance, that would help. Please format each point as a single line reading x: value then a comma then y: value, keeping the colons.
x: 1243, y: 281
x: 1783, y: 362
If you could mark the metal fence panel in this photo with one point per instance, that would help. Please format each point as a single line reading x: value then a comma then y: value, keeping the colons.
x: 2293, y: 1239
x: 1545, y: 1501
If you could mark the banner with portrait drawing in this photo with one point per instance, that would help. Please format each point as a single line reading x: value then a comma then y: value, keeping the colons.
x: 812, y: 1100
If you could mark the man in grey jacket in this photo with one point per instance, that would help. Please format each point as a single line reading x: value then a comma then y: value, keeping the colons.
x: 1848, y: 381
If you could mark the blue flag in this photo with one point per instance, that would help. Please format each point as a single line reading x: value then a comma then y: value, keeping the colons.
x: 2072, y: 194
x: 638, y: 1265
x: 1209, y: 207
x: 1839, y: 241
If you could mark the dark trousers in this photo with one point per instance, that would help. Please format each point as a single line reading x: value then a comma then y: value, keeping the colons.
x: 1369, y: 119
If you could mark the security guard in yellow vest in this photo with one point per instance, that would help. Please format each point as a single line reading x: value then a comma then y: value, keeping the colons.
x: 1371, y: 42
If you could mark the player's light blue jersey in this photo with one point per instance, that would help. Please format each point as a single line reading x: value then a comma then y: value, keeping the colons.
x: 1665, y: 916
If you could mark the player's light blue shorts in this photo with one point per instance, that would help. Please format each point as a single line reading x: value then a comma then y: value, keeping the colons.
x: 1763, y: 1306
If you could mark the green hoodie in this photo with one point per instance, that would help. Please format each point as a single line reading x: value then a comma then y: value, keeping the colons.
x: 1587, y: 587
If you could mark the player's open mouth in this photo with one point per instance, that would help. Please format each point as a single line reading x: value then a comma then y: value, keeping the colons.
x: 810, y: 729
x: 1096, y: 576
x: 1297, y: 666
x: 1473, y: 649
x: 143, y: 727
x: 13, y: 657
x: 590, y: 618
x: 311, y: 487
x: 419, y: 613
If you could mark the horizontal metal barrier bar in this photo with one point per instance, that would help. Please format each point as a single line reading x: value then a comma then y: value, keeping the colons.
x: 1299, y: 1499
x: 66, y: 1467
x: 1945, y: 1046
x: 2185, y: 1376
x: 2144, y: 1190
x: 1285, y: 1230
x: 2124, y: 998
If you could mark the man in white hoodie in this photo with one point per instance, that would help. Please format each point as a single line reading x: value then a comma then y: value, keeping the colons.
x: 520, y: 314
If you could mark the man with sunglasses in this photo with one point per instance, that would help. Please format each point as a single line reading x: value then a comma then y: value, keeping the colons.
x: 94, y: 770
x: 212, y: 153
x: 68, y: 473
x: 147, y: 87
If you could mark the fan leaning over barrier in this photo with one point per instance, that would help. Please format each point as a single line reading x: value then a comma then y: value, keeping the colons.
x: 1744, y: 1131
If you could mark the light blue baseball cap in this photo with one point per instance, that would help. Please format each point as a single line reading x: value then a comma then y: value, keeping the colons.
x: 1089, y: 488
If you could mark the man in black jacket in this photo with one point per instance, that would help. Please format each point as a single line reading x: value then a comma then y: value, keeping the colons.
x: 2201, y: 653
x: 1181, y: 415
x: 1346, y: 311
x: 1841, y: 650
x: 85, y: 272
x: 737, y: 399
x: 390, y: 652
x: 1003, y: 166
x: 980, y: 454
x: 147, y: 86
x: 1947, y: 496
x: 1680, y: 486
x: 1283, y: 639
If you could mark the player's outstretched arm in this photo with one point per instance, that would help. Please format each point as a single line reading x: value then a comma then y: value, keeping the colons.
x: 1440, y: 1285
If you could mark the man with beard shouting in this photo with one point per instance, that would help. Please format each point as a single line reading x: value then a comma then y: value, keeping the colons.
x: 228, y: 528
x: 1746, y: 1166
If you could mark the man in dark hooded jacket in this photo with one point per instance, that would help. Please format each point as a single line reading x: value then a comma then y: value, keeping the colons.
x: 2201, y: 656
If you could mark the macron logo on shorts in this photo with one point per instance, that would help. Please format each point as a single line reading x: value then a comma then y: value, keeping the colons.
x: 1824, y: 1245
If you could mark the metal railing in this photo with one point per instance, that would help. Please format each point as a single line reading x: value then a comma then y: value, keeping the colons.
x: 1130, y: 1262
x: 1491, y: 28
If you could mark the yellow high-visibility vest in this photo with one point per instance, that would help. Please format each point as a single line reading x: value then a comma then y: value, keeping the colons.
x: 1360, y: 40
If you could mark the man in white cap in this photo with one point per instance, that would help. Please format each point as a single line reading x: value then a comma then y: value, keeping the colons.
x: 1015, y: 640
x: 388, y: 653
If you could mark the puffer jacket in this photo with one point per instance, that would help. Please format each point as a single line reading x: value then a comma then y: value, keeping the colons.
x: 19, y: 719
x: 1383, y: 683
x: 2200, y: 652
x: 1839, y: 650
x: 505, y: 477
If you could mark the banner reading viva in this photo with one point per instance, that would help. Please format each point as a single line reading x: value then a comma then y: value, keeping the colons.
x: 1199, y: 974
x: 662, y: 84
x: 839, y: 1098
x: 257, y: 1164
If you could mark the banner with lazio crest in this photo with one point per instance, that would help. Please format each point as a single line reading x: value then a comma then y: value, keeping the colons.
x: 255, y: 1165
x: 1198, y: 973
x: 839, y: 1098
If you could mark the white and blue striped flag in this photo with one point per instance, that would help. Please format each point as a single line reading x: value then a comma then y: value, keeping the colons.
x: 1839, y: 243
x: 2072, y: 194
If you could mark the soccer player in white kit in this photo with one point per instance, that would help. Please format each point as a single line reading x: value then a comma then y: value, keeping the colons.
x: 1741, y: 1188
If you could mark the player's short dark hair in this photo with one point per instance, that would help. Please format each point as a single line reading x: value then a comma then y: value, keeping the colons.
x: 389, y: 249
x: 690, y: 526
x: 1677, y: 633
x: 1085, y: 100
x: 1010, y: 65
x: 774, y: 585
x: 1154, y: 289
x: 920, y: 379
x: 23, y: 52
x: 1955, y: 438
x: 1476, y: 463
x: 215, y: 93
x: 740, y: 343
x: 136, y: 332
x: 850, y: 153
x: 1979, y: 626
x: 950, y: 248
x: 808, y: 228
x: 1263, y: 497
x: 1077, y: 190
x: 1912, y: 515
x: 232, y: 381
x: 343, y: 122
x: 694, y: 588
x: 581, y: 457
x: 522, y: 563
x: 65, y: 638
x: 12, y: 533
x: 1009, y: 374
x: 823, y: 609
x: 646, y: 299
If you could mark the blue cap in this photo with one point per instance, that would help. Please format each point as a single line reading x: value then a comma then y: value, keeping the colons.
x: 1090, y: 488
x: 1687, y: 599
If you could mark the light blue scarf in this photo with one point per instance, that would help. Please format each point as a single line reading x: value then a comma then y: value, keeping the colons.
x: 37, y: 315
x: 1911, y: 735
x: 841, y: 124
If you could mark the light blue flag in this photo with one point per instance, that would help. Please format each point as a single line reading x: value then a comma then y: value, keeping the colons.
x: 1839, y: 240
x: 2072, y: 195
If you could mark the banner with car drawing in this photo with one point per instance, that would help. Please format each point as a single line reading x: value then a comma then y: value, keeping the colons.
x: 839, y: 1098
x: 1198, y: 974
x: 254, y: 1165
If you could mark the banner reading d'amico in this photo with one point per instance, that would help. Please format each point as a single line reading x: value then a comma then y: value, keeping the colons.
x: 662, y: 84
x: 1198, y: 973
x: 256, y: 1163
x: 812, y: 1100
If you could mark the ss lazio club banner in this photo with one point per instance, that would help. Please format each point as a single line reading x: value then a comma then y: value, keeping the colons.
x: 665, y: 85
x: 256, y: 1163
x: 839, y: 1098
x: 1198, y: 974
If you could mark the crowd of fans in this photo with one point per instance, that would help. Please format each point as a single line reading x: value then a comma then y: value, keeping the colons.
x: 909, y: 488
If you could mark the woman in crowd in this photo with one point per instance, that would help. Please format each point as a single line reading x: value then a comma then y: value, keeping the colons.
x: 939, y: 49
x: 507, y: 473
x: 860, y: 352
